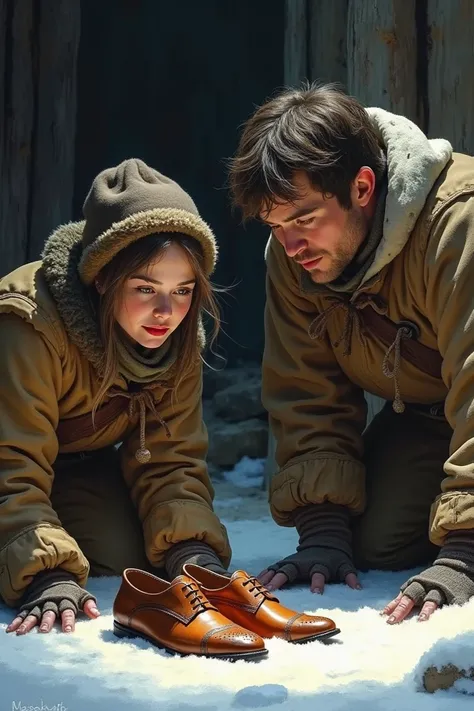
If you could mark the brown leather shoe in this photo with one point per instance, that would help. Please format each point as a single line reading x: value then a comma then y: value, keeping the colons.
x: 178, y: 618
x: 244, y: 600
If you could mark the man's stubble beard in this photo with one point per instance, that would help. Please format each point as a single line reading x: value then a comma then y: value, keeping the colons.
x: 354, y: 235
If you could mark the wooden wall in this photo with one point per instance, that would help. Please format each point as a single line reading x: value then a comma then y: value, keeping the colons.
x: 414, y: 57
x: 38, y: 55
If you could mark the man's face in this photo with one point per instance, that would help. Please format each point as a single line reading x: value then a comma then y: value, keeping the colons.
x: 316, y: 232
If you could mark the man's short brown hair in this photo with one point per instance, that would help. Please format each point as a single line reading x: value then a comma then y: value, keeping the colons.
x: 317, y: 129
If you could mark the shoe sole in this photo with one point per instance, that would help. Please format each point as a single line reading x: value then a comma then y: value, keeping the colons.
x: 322, y: 637
x: 128, y: 633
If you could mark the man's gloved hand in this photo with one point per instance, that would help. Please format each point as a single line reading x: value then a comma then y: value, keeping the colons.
x: 324, y: 551
x: 450, y: 580
x: 192, y: 551
x: 53, y: 594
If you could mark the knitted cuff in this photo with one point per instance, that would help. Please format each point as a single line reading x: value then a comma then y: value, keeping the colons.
x: 458, y: 549
x: 195, y: 552
x: 324, y: 525
x: 43, y: 580
x: 324, y: 544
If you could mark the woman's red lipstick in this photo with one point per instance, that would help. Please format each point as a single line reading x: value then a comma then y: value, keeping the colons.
x: 153, y: 331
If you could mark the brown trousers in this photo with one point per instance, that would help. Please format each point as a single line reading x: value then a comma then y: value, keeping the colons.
x: 404, y: 457
x: 94, y: 506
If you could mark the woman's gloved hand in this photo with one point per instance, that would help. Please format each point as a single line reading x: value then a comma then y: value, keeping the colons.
x: 53, y: 594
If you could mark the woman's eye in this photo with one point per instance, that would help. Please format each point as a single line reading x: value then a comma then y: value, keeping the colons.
x: 145, y: 289
x: 184, y: 292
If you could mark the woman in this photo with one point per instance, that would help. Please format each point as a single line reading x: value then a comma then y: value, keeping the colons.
x: 101, y: 344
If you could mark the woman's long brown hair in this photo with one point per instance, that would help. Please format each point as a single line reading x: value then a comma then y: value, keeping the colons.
x: 112, y: 279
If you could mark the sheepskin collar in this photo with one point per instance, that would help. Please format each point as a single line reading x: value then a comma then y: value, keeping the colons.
x: 61, y: 256
x: 414, y: 163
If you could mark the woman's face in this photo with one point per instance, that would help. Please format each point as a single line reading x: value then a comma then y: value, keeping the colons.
x: 155, y: 301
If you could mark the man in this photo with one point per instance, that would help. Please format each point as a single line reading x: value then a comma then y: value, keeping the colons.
x: 370, y: 268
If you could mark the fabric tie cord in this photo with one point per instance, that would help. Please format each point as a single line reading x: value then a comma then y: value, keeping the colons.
x: 144, y: 399
x: 354, y: 320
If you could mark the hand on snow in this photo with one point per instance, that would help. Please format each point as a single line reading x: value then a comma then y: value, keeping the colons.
x: 450, y: 580
x: 324, y: 551
x: 401, y: 607
x: 439, y: 585
x: 53, y: 594
x: 316, y: 564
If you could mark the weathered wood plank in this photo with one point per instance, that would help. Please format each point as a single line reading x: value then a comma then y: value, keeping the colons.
x: 3, y: 61
x: 295, y: 43
x: 328, y: 40
x: 18, y: 119
x: 382, y: 55
x: 450, y: 66
x: 53, y: 181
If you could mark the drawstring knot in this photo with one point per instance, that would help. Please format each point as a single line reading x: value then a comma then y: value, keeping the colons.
x: 389, y: 372
x: 144, y: 399
x: 318, y: 327
x: 354, y: 320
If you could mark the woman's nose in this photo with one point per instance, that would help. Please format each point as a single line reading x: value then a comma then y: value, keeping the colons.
x: 162, y: 309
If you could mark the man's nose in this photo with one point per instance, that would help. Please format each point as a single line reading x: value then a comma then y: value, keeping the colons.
x: 293, y: 243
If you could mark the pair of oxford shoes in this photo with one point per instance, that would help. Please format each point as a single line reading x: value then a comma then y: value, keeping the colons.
x: 207, y: 614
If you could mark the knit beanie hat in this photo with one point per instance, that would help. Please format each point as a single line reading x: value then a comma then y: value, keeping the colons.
x: 131, y: 201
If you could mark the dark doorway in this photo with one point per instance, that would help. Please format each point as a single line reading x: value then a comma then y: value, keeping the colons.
x: 171, y: 83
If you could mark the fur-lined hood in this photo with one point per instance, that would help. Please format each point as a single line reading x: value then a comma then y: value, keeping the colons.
x: 61, y: 256
x: 414, y: 163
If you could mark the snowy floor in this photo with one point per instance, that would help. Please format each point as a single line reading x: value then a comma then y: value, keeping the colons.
x: 368, y: 667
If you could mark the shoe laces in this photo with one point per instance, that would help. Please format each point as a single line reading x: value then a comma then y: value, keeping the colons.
x: 197, y: 600
x: 257, y: 588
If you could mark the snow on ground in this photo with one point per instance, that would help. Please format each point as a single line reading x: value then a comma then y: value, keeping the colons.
x: 247, y: 473
x: 370, y: 666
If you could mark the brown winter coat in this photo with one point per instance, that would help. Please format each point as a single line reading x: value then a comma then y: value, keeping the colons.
x: 314, y: 392
x: 45, y: 378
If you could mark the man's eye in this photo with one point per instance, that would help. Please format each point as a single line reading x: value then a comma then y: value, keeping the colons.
x: 306, y: 221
